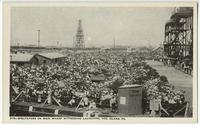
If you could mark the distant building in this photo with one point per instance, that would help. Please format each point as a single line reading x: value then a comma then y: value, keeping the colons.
x: 49, y: 58
x: 79, y: 43
x: 158, y: 53
x: 129, y: 50
x: 21, y: 59
x: 37, y: 59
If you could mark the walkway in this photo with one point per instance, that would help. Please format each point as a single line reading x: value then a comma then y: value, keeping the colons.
x: 180, y: 80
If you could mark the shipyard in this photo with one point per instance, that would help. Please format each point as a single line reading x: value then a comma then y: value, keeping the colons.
x: 129, y: 72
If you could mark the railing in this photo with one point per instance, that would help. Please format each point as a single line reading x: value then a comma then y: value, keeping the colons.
x: 181, y: 111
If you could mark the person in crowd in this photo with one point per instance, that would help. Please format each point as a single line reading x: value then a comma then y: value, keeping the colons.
x: 113, y: 103
x: 92, y: 105
x: 72, y: 102
x: 86, y: 101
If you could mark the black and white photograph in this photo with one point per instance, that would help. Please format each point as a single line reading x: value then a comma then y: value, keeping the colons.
x: 102, y: 61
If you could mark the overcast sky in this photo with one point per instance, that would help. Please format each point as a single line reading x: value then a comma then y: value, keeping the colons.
x: 129, y: 26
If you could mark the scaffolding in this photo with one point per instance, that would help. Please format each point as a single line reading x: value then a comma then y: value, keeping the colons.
x: 178, y: 43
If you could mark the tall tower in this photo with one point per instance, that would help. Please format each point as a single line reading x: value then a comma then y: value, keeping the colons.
x: 79, y: 43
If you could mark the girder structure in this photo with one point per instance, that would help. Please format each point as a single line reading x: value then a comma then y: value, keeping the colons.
x: 178, y: 43
x: 79, y: 42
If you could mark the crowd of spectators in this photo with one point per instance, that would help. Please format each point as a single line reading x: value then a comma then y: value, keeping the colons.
x: 76, y: 82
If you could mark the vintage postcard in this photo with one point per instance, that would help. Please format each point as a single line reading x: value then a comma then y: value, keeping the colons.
x: 100, y: 62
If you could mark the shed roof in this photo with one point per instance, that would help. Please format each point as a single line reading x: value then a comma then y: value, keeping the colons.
x: 20, y: 57
x: 98, y: 78
x: 157, y: 48
x: 130, y: 86
x: 52, y: 55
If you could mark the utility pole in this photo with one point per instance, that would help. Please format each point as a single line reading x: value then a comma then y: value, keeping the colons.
x: 74, y: 44
x: 114, y: 42
x: 57, y: 43
x: 38, y: 38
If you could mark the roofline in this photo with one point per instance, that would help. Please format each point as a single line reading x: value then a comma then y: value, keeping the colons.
x: 125, y: 87
x: 42, y: 56
x: 20, y: 61
x: 49, y: 58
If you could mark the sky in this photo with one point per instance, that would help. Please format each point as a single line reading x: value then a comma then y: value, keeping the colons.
x: 129, y: 26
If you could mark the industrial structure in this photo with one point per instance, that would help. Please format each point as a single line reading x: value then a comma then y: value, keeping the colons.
x: 79, y: 42
x: 178, y: 43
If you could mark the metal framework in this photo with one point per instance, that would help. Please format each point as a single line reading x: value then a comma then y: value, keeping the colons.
x: 79, y: 42
x: 178, y: 43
